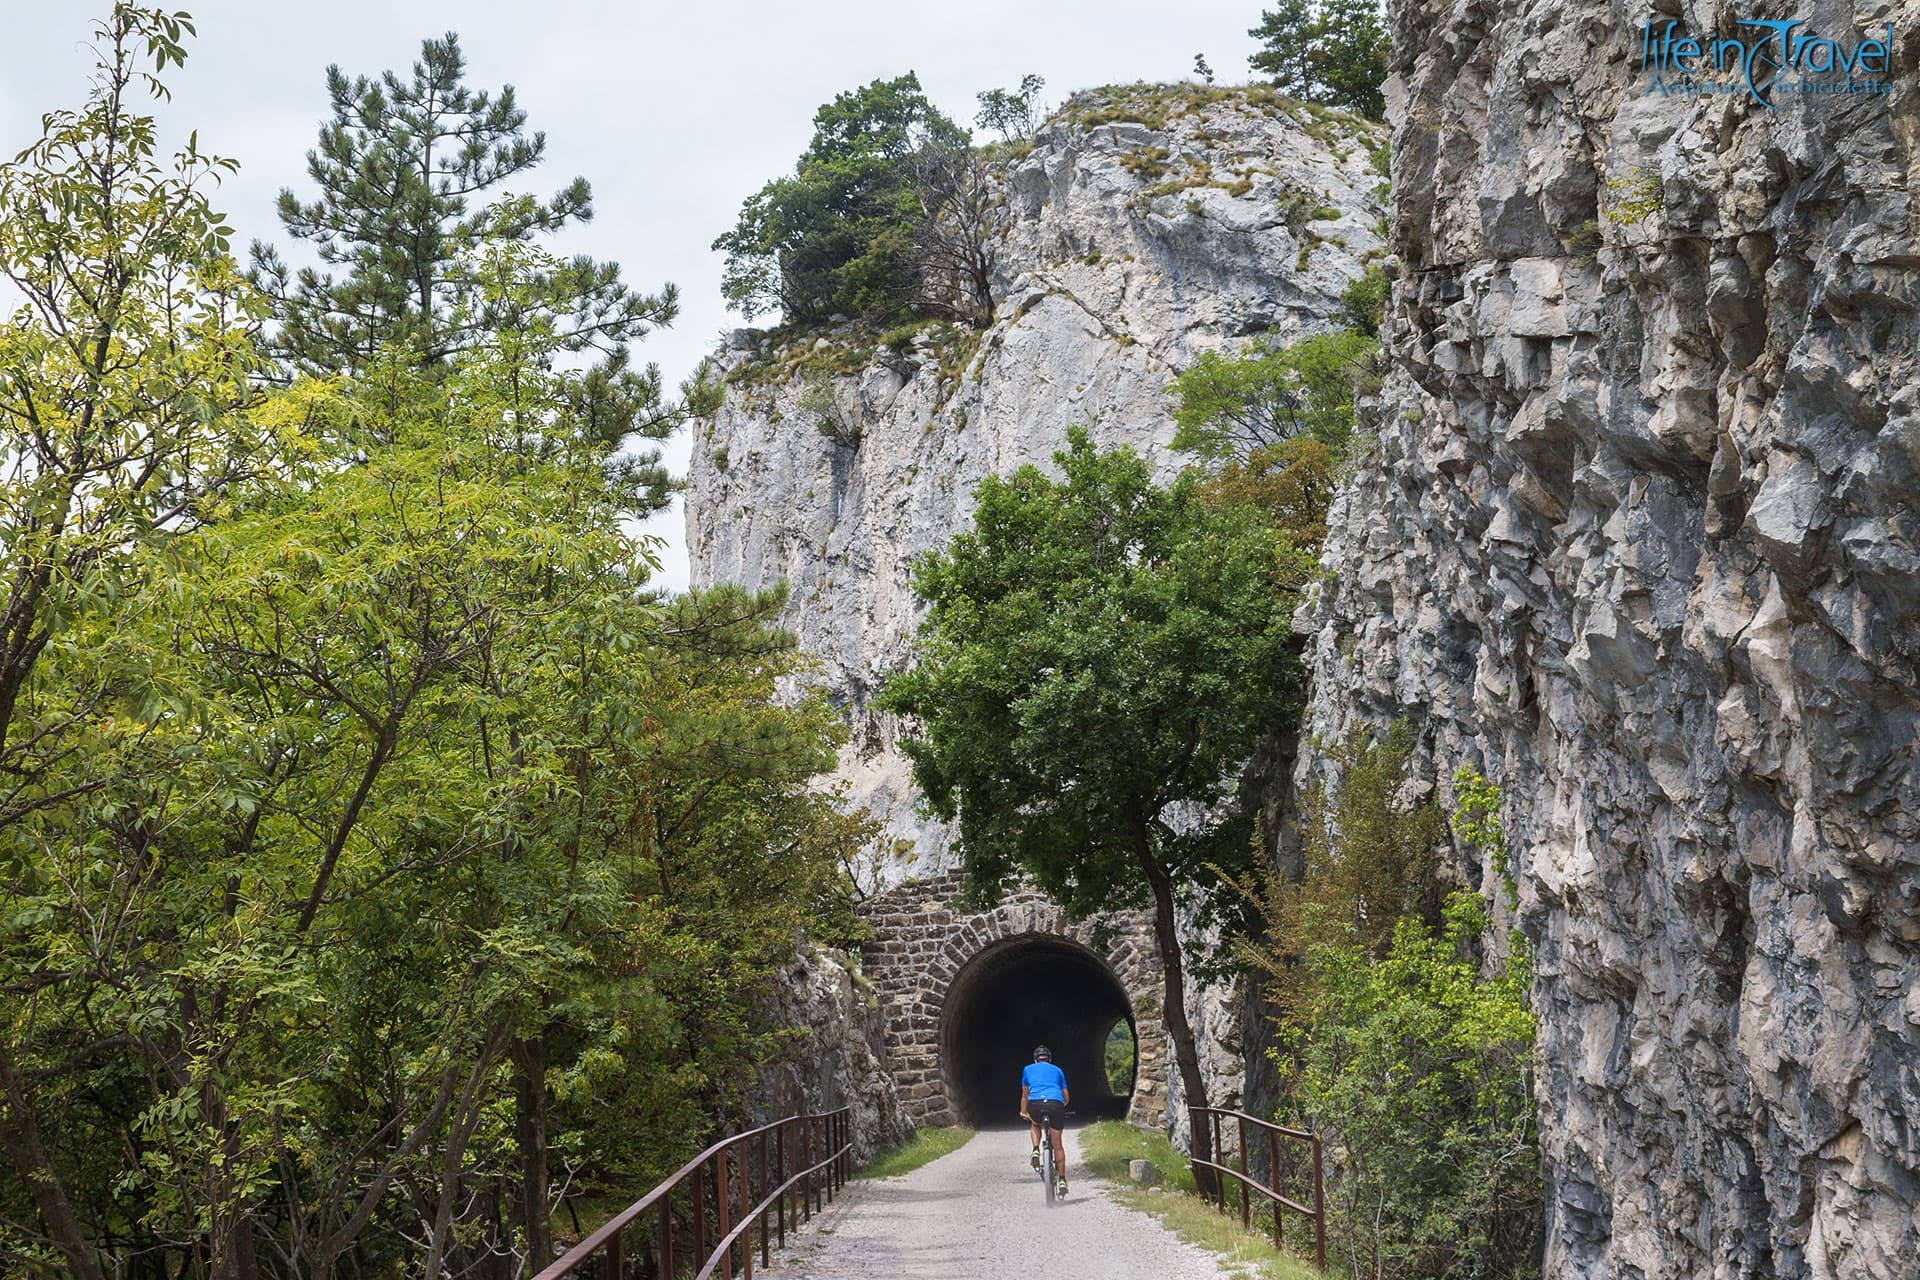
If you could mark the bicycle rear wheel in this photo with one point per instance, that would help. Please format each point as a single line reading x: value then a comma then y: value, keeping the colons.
x: 1047, y: 1174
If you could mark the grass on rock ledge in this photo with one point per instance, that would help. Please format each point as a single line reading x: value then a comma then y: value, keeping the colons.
x: 924, y: 1147
x: 1109, y: 1145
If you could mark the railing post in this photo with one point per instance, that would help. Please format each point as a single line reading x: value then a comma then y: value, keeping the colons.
x: 1273, y: 1180
x: 746, y: 1209
x: 780, y: 1158
x: 840, y: 1153
x: 724, y: 1202
x: 1319, y: 1211
x: 1219, y: 1158
x: 666, y: 1236
x: 699, y: 1213
x: 806, y: 1162
x: 1246, y: 1192
x: 616, y: 1263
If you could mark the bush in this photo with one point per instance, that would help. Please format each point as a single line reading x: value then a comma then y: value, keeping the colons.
x: 1408, y: 1054
x: 1230, y: 405
x: 1417, y: 1070
x: 1363, y: 304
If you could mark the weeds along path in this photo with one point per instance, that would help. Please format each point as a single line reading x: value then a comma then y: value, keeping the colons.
x: 979, y: 1214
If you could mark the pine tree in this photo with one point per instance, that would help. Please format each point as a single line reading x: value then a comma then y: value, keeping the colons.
x: 402, y: 170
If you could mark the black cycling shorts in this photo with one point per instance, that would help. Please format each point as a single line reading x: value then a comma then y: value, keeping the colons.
x: 1052, y: 1110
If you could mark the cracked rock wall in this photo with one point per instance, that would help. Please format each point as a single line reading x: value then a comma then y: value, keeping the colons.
x: 1639, y: 539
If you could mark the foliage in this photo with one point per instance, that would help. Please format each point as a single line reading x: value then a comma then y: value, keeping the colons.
x: 1232, y: 405
x: 1418, y: 1071
x: 818, y: 399
x: 1635, y: 196
x: 1099, y: 657
x: 836, y: 237
x: 125, y: 380
x: 1403, y: 1042
x: 397, y: 173
x: 1012, y: 113
x: 1363, y: 303
x: 379, y: 860
x: 1292, y: 483
x: 1332, y: 52
x: 1476, y: 820
x: 1120, y: 1058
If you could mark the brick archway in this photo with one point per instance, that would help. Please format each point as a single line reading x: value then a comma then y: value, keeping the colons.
x: 922, y: 943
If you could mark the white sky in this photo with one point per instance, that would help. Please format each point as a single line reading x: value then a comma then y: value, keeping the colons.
x: 674, y: 112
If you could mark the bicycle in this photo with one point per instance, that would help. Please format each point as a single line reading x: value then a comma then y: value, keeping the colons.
x: 1049, y: 1174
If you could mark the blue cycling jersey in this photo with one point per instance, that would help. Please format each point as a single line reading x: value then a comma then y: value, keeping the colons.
x: 1044, y: 1082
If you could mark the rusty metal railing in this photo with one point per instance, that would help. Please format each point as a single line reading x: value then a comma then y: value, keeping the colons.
x: 795, y: 1166
x: 1250, y: 1184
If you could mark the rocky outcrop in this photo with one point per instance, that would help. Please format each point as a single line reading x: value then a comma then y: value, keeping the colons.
x: 836, y: 1056
x: 1640, y: 539
x: 1145, y: 226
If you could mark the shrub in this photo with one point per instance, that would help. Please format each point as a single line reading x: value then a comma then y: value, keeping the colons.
x: 1417, y: 1070
x: 1407, y: 1052
x: 1230, y: 405
x: 1363, y: 303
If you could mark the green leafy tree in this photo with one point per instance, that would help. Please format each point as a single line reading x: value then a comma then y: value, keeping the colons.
x: 1099, y: 659
x: 1232, y: 405
x: 837, y: 236
x: 1012, y: 113
x: 403, y: 176
x: 328, y: 902
x: 125, y: 372
x: 1328, y: 51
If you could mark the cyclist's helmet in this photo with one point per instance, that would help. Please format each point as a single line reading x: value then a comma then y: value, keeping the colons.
x: 1042, y: 1054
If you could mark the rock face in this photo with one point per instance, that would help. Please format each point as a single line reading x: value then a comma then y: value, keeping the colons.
x: 839, y: 1057
x: 1640, y: 539
x: 1145, y: 226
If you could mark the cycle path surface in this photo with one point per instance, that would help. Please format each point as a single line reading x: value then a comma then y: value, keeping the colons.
x: 979, y: 1214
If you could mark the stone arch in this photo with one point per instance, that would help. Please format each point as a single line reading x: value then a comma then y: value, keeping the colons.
x: 1023, y: 990
x: 927, y: 953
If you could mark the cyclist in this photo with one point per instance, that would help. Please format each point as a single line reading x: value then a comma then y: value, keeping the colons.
x: 1043, y: 1092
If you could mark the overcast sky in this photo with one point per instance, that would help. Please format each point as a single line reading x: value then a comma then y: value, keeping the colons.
x: 674, y: 112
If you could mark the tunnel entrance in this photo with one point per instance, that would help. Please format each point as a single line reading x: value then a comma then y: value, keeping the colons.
x: 1020, y: 992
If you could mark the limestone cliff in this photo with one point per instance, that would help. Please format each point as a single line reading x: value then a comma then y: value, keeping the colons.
x: 836, y: 1054
x: 1145, y: 225
x: 1640, y: 539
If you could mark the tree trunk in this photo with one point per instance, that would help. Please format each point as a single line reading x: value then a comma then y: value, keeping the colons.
x: 1174, y: 1003
x: 21, y: 1138
x: 530, y: 1134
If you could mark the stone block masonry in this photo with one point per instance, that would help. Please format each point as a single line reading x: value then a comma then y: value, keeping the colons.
x: 959, y: 989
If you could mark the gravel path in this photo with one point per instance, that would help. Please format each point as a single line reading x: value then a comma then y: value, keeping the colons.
x: 979, y: 1214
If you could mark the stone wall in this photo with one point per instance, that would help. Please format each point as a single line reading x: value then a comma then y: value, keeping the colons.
x: 922, y: 939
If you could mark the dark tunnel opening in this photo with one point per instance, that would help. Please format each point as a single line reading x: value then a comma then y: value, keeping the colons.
x: 1019, y: 993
